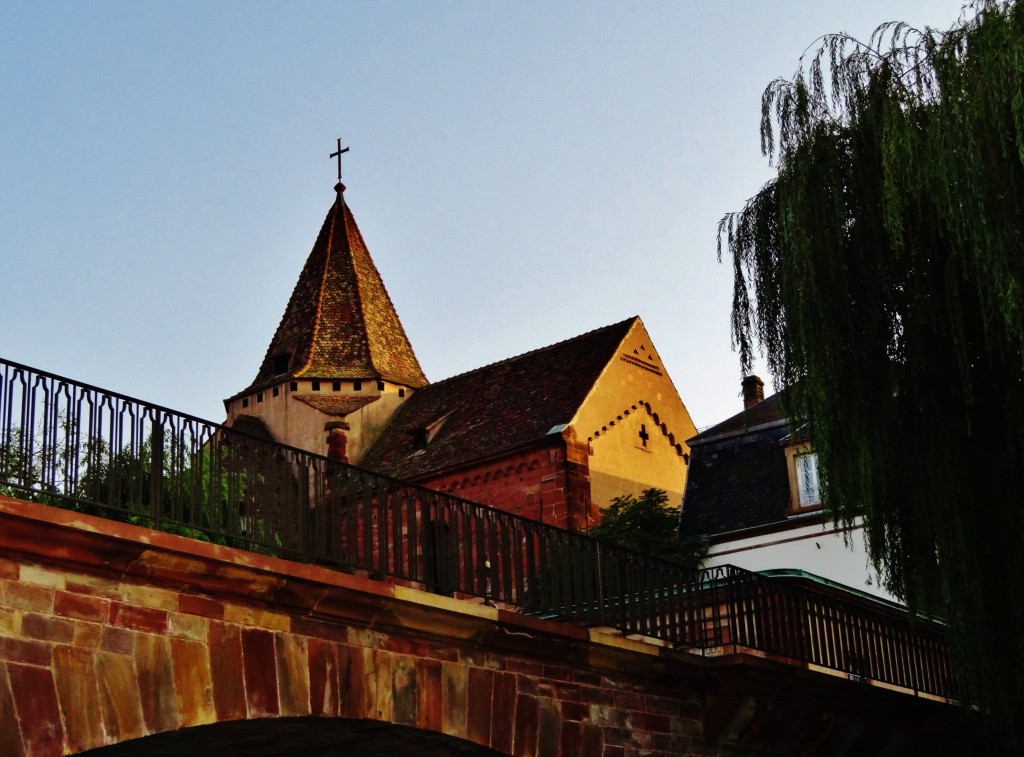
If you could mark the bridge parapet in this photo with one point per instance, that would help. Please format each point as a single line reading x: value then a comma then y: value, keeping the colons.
x: 77, y: 447
x: 111, y: 632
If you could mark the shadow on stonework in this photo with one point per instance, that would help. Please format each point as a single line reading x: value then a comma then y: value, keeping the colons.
x: 280, y: 737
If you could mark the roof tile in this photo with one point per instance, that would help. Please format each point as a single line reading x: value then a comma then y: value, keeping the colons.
x: 737, y: 477
x: 496, y: 408
x: 340, y: 406
x: 340, y: 322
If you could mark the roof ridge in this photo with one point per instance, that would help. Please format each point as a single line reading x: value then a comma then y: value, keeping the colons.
x: 346, y: 217
x: 318, y: 311
x: 760, y: 415
x: 521, y: 355
x: 362, y: 280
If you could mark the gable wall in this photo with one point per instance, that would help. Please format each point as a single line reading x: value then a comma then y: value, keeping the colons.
x: 634, y: 390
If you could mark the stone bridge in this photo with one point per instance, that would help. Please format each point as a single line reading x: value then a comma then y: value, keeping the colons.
x: 119, y: 640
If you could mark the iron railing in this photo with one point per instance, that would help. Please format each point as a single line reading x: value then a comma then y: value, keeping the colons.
x: 71, y: 445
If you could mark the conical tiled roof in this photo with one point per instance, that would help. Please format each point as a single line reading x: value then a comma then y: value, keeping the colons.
x: 340, y: 322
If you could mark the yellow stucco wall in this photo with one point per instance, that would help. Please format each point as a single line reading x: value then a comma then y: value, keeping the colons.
x: 635, y: 391
x: 295, y: 423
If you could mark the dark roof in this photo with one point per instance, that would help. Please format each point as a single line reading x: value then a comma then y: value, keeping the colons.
x: 769, y: 410
x: 737, y: 477
x: 339, y: 322
x: 496, y: 408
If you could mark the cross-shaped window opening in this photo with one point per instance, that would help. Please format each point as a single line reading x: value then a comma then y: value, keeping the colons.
x: 644, y: 436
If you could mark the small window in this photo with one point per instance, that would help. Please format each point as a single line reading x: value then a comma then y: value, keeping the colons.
x: 357, y: 386
x: 295, y: 386
x: 245, y: 402
x: 401, y: 392
x: 808, y: 493
x: 277, y: 391
x: 259, y: 396
x: 316, y: 386
x: 336, y: 386
x: 804, y: 482
x: 380, y: 386
x: 281, y: 363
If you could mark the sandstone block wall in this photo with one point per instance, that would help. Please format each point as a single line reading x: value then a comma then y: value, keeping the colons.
x: 109, y: 633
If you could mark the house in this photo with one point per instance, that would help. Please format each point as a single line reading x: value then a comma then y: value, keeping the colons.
x: 553, y: 434
x: 752, y: 492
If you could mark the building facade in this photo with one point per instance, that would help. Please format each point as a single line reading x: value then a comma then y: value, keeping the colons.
x: 553, y: 435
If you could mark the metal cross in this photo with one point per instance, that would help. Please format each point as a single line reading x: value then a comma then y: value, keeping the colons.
x: 338, y: 156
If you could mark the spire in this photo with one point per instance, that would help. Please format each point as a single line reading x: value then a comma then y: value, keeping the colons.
x: 340, y: 322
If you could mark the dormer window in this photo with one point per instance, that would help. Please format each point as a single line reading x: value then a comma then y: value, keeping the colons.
x: 423, y: 435
x: 419, y: 438
x: 808, y: 494
x: 804, y: 483
x: 281, y: 363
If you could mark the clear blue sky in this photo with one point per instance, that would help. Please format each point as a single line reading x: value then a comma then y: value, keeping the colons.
x: 522, y: 172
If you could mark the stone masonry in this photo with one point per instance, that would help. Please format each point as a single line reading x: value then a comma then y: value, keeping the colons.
x: 110, y: 632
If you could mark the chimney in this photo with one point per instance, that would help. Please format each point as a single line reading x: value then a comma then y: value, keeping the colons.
x: 753, y: 391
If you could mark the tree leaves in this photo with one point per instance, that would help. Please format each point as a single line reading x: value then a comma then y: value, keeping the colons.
x: 646, y: 524
x: 881, y: 273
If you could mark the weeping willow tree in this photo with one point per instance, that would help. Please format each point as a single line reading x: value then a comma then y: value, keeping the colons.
x: 881, y: 275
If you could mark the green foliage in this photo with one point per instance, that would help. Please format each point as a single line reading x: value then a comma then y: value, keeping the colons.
x: 22, y: 466
x: 198, y: 491
x: 881, y: 272
x: 647, y: 524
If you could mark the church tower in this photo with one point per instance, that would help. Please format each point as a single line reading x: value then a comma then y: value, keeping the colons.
x: 340, y: 364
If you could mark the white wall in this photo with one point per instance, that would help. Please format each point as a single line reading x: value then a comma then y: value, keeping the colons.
x: 819, y: 549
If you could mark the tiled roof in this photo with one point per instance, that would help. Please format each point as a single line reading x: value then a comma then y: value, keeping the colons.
x: 769, y: 410
x: 340, y: 322
x: 340, y: 406
x: 495, y: 408
x: 737, y: 477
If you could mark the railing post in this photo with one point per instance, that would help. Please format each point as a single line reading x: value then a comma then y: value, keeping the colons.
x: 156, y: 470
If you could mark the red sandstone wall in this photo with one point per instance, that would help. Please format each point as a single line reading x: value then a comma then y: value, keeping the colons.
x: 530, y: 483
x: 110, y: 632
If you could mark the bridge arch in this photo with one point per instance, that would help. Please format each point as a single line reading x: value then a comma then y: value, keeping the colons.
x: 284, y: 737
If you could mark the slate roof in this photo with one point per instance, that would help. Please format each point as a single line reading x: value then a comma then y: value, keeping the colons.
x: 768, y: 410
x: 737, y: 477
x: 339, y: 322
x: 496, y: 408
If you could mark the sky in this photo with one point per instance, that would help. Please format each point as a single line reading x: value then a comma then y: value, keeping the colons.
x: 521, y: 172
